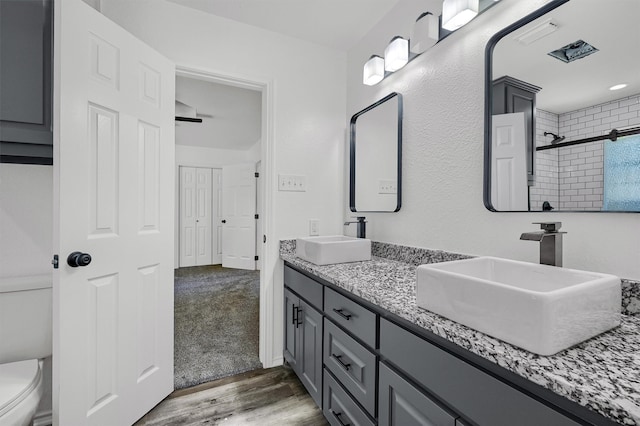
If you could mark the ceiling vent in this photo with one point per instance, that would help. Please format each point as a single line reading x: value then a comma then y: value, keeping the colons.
x: 573, y: 51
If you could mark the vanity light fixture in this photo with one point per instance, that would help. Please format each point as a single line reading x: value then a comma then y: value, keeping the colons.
x: 456, y: 13
x: 373, y: 72
x: 618, y: 86
x: 396, y: 55
x: 425, y: 33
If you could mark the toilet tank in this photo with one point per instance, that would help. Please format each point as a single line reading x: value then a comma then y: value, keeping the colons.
x: 25, y: 318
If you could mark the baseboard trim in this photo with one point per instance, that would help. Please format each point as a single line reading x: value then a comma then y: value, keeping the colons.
x: 43, y: 418
x: 275, y: 362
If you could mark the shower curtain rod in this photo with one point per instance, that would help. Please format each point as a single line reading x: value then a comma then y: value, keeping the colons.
x: 612, y: 135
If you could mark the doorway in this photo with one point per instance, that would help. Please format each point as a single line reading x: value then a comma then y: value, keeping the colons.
x: 218, y: 147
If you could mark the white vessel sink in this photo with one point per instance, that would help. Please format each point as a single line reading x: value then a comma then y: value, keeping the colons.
x: 333, y: 249
x: 543, y: 309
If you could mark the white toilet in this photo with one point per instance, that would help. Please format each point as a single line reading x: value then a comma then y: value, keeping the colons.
x: 25, y: 339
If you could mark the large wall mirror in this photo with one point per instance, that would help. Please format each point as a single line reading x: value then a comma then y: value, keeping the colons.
x: 563, y: 110
x: 376, y: 157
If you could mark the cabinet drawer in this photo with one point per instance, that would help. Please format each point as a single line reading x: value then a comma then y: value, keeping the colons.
x: 338, y: 407
x: 401, y: 404
x: 352, y: 364
x: 309, y: 289
x: 466, y: 389
x: 355, y: 318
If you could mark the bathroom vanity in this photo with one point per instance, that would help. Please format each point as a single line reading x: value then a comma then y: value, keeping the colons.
x: 368, y: 355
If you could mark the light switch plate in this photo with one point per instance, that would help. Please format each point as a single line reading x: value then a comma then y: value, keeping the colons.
x: 314, y: 227
x: 292, y: 183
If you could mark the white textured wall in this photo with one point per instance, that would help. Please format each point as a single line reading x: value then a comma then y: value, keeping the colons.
x: 26, y: 222
x: 443, y: 155
x: 309, y: 98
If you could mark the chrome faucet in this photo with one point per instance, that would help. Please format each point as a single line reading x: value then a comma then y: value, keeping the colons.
x: 550, y: 242
x: 362, y: 226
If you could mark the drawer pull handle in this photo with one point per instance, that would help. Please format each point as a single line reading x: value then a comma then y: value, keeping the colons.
x: 342, y: 363
x: 342, y: 314
x: 337, y: 416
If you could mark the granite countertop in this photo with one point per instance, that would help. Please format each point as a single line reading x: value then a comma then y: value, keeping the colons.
x: 602, y: 374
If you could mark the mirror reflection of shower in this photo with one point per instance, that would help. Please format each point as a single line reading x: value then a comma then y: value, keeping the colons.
x: 556, y: 138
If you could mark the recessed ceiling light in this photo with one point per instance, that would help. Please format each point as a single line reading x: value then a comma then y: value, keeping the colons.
x: 618, y: 87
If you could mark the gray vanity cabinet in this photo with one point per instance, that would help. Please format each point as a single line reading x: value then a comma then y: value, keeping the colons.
x: 339, y: 408
x: 352, y: 364
x: 303, y: 331
x: 26, y: 81
x: 376, y: 369
x: 401, y: 404
x: 467, y: 390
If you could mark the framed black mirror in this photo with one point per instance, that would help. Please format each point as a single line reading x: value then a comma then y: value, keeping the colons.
x: 375, y: 183
x: 562, y: 110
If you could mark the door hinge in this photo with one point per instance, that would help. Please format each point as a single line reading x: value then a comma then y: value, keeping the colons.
x: 264, y: 239
x: 257, y: 216
x: 55, y: 261
x: 257, y: 174
x: 255, y: 258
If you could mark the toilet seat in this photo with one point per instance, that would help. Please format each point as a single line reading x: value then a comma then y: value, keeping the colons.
x: 20, y: 391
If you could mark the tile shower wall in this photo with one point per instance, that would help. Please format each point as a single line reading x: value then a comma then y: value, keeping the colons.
x: 580, y: 168
x: 546, y: 186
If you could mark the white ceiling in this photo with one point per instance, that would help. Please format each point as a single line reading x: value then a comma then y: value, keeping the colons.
x: 612, y: 27
x: 231, y: 116
x: 338, y: 24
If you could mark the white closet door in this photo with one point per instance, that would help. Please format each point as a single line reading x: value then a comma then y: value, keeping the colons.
x: 204, y: 225
x: 187, y: 216
x: 113, y: 199
x: 239, y: 222
x: 196, y: 226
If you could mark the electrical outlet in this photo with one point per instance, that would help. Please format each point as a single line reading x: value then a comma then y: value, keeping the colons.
x: 314, y: 227
x: 387, y: 186
x: 292, y: 183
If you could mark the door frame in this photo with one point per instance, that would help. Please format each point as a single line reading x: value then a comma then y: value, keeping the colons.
x: 267, y: 159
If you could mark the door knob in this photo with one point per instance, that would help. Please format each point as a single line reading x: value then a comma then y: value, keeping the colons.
x: 77, y: 258
x: 224, y: 221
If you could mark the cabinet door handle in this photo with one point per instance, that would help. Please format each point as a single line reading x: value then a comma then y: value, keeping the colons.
x: 342, y: 363
x: 338, y: 417
x: 299, y: 317
x: 294, y: 311
x: 342, y: 314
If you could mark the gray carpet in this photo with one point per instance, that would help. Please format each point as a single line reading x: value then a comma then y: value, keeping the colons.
x: 216, y: 323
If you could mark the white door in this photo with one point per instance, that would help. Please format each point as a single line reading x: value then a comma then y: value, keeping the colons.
x: 196, y: 237
x: 260, y: 212
x: 217, y: 216
x: 238, y: 216
x: 509, y: 190
x: 187, y: 216
x: 113, y: 178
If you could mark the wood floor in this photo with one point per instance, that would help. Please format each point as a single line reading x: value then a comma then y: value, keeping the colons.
x: 273, y: 396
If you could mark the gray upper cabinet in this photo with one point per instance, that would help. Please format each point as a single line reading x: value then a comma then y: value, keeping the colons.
x: 511, y: 95
x: 26, y: 81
